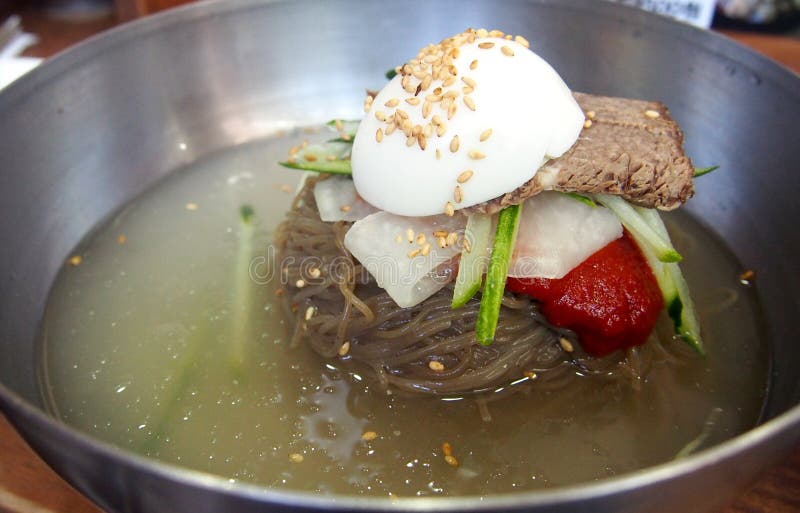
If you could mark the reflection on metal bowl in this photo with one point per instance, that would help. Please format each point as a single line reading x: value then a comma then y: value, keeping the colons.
x: 98, y: 125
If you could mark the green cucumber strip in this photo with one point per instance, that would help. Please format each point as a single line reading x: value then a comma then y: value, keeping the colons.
x: 349, y: 128
x: 639, y: 228
x: 472, y: 264
x: 391, y: 74
x: 496, y: 274
x: 680, y: 306
x: 700, y: 171
x: 336, y: 167
x: 586, y: 200
x: 329, y: 157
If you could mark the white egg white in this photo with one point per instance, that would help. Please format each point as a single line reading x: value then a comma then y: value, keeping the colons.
x: 523, y: 101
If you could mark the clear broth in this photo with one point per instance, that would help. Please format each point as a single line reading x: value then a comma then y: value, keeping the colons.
x: 154, y: 342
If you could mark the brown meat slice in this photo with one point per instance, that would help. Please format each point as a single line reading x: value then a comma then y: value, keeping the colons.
x: 632, y: 149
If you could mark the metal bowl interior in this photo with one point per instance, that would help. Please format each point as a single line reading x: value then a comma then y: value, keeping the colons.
x: 99, y: 124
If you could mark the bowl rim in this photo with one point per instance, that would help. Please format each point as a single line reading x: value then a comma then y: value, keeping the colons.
x: 18, y: 408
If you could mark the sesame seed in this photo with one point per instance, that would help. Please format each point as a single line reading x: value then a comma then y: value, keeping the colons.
x: 530, y: 375
x: 566, y: 345
x: 591, y: 114
x: 469, y: 102
x: 296, y: 458
x: 314, y: 272
x: 465, y: 176
x: 442, y: 242
x: 435, y: 366
x: 652, y: 114
x: 279, y: 292
x: 451, y: 94
x: 467, y: 245
x: 379, y: 135
x: 451, y: 111
x: 345, y: 208
x: 449, y: 210
x: 433, y: 98
x: 485, y: 45
x: 310, y: 311
x: 426, y: 109
x: 587, y: 123
x: 368, y: 436
x: 470, y: 82
x: 410, y: 235
x: 458, y: 194
x: 416, y: 130
x: 329, y: 158
x: 400, y: 112
x: 447, y: 449
x: 454, y: 143
x: 441, y: 129
x: 482, y: 32
x: 339, y: 125
x: 507, y: 51
x: 192, y: 206
x: 425, y: 249
x: 391, y: 128
x: 380, y: 115
x: 427, y: 131
x: 467, y: 89
x: 310, y: 157
x: 412, y: 100
x: 440, y: 233
x: 473, y: 64
x: 747, y: 276
x: 496, y: 33
x: 344, y: 348
x: 411, y: 141
x: 426, y: 82
x: 300, y: 284
x: 293, y: 150
x: 476, y: 155
x: 420, y: 239
x: 449, y: 81
x: 451, y: 460
x: 452, y: 238
x: 486, y: 134
x: 413, y: 253
x: 393, y: 102
x: 524, y: 42
x: 398, y: 239
x: 75, y: 261
x: 438, y: 154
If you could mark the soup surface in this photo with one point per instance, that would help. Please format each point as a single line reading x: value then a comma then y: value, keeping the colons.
x: 167, y: 339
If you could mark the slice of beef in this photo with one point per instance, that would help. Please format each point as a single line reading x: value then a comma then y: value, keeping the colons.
x: 632, y: 149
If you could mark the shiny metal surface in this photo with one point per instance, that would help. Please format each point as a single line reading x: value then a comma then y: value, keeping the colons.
x: 97, y: 125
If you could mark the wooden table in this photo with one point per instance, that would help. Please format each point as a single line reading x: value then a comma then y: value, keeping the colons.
x: 27, y: 485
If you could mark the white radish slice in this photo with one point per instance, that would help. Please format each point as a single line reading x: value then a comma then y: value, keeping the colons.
x: 557, y: 232
x: 337, y: 200
x: 381, y: 243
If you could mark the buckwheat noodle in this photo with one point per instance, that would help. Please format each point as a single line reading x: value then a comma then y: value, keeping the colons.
x: 357, y: 323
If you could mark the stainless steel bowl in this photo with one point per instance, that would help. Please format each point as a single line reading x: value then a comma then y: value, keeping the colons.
x: 100, y: 123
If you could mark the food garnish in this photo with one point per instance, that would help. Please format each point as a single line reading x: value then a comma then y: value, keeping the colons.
x: 487, y: 126
x: 496, y: 274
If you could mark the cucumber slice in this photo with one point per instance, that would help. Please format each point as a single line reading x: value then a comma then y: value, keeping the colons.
x: 700, y: 171
x: 496, y: 274
x: 330, y: 157
x: 473, y: 263
x: 346, y: 128
x: 639, y: 228
x: 677, y: 299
